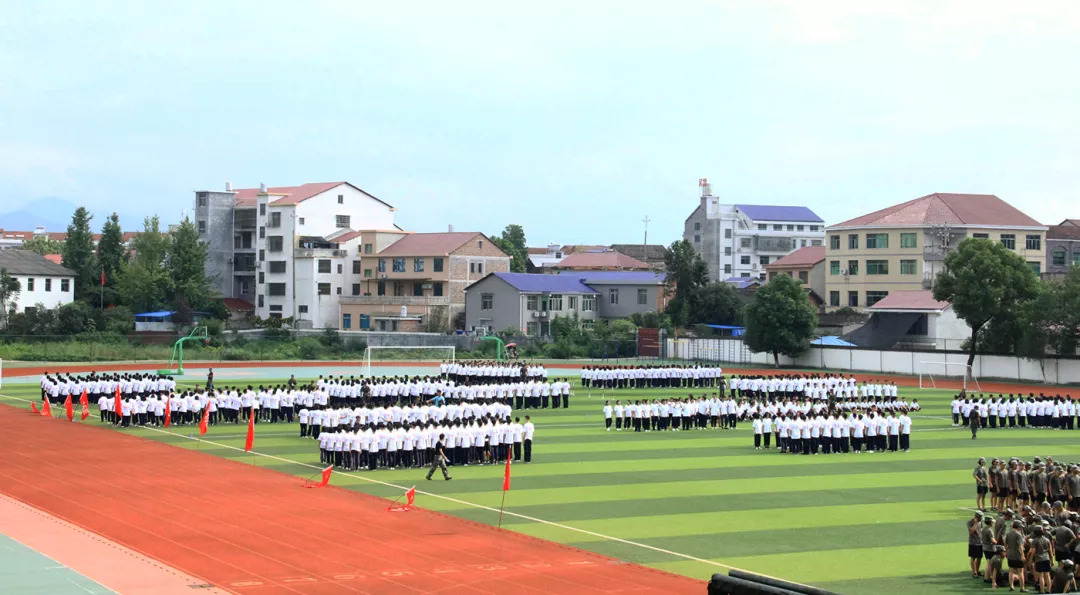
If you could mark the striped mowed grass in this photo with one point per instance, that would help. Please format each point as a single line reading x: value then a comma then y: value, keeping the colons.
x: 698, y: 502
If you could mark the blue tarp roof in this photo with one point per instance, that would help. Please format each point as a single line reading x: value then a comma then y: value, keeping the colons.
x: 831, y: 341
x: 161, y: 314
x: 736, y: 331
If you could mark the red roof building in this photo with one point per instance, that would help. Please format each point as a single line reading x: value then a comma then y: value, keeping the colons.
x: 603, y: 260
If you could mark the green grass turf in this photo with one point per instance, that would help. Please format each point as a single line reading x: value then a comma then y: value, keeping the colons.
x: 868, y: 523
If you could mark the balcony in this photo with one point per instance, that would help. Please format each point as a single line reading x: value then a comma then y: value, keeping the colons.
x: 773, y: 244
x: 934, y: 254
x: 395, y: 300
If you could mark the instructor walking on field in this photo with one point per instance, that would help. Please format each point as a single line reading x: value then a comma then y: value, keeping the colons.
x: 439, y: 460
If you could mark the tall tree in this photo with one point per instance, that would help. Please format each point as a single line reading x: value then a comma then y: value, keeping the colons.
x: 1051, y: 321
x: 144, y: 284
x: 187, y: 270
x: 43, y: 245
x: 9, y: 290
x: 78, y: 254
x: 110, y: 256
x: 984, y: 281
x: 780, y: 320
x: 512, y: 241
x: 685, y: 272
x: 717, y: 303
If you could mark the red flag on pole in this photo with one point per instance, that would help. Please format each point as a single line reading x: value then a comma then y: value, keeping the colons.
x: 250, y: 442
x: 118, y: 405
x: 103, y: 277
x: 69, y: 409
x: 506, y: 474
x: 84, y: 402
x: 168, y: 410
x: 46, y: 409
x: 34, y: 409
x: 325, y: 479
x: 205, y: 420
x: 410, y: 497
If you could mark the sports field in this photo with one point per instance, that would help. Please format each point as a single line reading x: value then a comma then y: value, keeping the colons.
x: 699, y: 502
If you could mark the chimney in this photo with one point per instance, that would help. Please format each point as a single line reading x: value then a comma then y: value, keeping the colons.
x: 262, y: 187
x: 228, y: 186
x: 450, y: 228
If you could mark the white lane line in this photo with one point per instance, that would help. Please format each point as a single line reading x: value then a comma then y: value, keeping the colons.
x: 466, y: 503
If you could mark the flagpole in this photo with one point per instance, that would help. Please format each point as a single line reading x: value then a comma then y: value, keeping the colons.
x: 501, y: 505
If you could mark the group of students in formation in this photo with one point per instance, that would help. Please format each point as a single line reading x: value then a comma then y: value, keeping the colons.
x: 1021, y: 548
x: 616, y: 377
x: 491, y: 372
x: 530, y: 392
x: 411, y: 436
x: 1031, y: 411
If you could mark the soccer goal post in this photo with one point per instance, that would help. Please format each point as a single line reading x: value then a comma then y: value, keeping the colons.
x: 407, y: 353
x: 930, y: 372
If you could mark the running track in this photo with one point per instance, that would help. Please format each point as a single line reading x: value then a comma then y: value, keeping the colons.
x: 257, y: 531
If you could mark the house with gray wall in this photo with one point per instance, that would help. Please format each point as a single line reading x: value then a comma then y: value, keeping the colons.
x: 1062, y: 248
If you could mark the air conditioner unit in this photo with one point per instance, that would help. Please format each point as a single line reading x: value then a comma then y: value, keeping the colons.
x: 427, y: 286
x: 535, y: 314
x: 843, y: 272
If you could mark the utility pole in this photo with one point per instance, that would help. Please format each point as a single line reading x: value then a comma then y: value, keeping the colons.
x: 645, y: 243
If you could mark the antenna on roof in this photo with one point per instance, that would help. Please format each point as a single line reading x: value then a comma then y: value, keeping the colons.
x: 703, y: 183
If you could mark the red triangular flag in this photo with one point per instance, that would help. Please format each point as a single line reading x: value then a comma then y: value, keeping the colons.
x: 506, y: 474
x: 69, y: 409
x: 325, y: 479
x: 46, y: 409
x: 118, y: 405
x: 85, y: 404
x: 250, y: 442
x: 34, y: 409
x: 410, y: 496
x: 205, y: 420
x: 168, y: 410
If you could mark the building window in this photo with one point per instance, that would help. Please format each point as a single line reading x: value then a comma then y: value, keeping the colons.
x: 275, y: 307
x: 356, y: 267
x: 382, y: 265
x: 727, y: 233
x: 1008, y: 240
x: 48, y: 284
x: 346, y: 321
x: 804, y: 277
x: 727, y: 269
x: 532, y: 328
x: 339, y: 269
x: 802, y: 243
x: 800, y: 227
x: 367, y: 248
x: 613, y: 295
x: 277, y: 266
x: 275, y: 219
x: 487, y: 301
x: 642, y: 297
x: 877, y: 267
x: 300, y: 220
x: 764, y: 260
x: 571, y: 303
x: 324, y: 289
x: 532, y: 303
x: 65, y: 285
x: 262, y: 209
x: 417, y: 289
x: 727, y: 250
x: 1033, y: 242
x: 772, y: 275
x: 301, y: 309
x: 262, y: 255
x: 275, y: 243
x: 418, y: 265
x: 1076, y: 257
x: 399, y: 265
x: 380, y: 288
x: 877, y: 240
x: 853, y: 299
x: 200, y: 200
x: 834, y: 242
x: 815, y: 242
x: 981, y: 236
x: 852, y: 268
x: 697, y: 239
x: 813, y: 228
x: 762, y: 227
x: 1035, y: 268
x: 853, y: 241
x: 1058, y: 258
x: 480, y: 244
x: 834, y: 299
x: 356, y: 289
x: 276, y: 289
x: 909, y: 240
x: 29, y: 284
x: 777, y: 227
x: 260, y: 300
x: 342, y: 221
x: 555, y: 302
x: 367, y: 273
x: 697, y: 226
x: 437, y: 264
x: 745, y: 275
x: 262, y: 232
x: 873, y: 297
x: 436, y: 289
x: 908, y: 267
x: 588, y: 303
x: 399, y: 289
x: 324, y: 266
x: 791, y: 228
x: 202, y: 226
x: 744, y: 260
x: 476, y: 267
x: 341, y: 199
x: 262, y: 277
x: 834, y: 267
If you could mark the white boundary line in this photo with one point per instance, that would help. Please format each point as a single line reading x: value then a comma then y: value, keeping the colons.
x: 466, y: 503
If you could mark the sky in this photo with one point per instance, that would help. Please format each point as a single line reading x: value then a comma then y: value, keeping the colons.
x: 576, y: 120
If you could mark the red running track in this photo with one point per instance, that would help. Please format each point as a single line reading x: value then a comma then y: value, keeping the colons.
x: 254, y: 530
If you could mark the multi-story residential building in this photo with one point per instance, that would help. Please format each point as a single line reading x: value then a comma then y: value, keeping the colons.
x: 531, y: 301
x: 807, y: 266
x: 287, y: 250
x: 418, y: 281
x: 739, y: 240
x: 1062, y: 248
x: 41, y: 281
x: 901, y: 248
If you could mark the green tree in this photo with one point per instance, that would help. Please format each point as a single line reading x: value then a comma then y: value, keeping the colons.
x: 780, y: 319
x: 187, y: 271
x: 685, y: 272
x: 74, y: 319
x: 43, y: 245
x: 717, y: 303
x: 111, y: 257
x: 9, y: 291
x: 144, y: 284
x: 984, y: 281
x: 1051, y: 321
x: 512, y: 241
x: 79, y: 254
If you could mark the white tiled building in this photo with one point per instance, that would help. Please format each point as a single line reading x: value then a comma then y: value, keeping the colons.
x: 41, y: 281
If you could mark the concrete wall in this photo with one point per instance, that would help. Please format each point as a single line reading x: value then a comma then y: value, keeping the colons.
x: 1050, y: 371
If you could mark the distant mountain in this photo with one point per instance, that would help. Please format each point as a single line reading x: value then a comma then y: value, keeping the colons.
x: 52, y: 212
